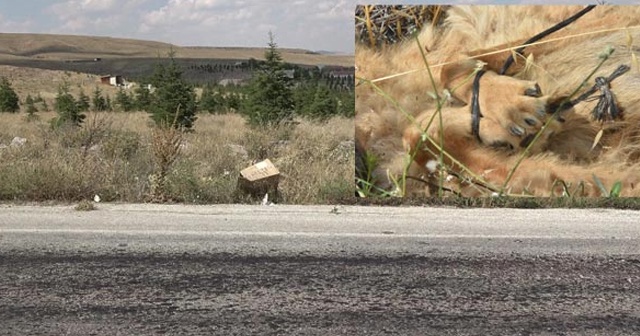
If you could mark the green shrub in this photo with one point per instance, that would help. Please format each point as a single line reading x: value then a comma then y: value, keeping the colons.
x: 9, y: 101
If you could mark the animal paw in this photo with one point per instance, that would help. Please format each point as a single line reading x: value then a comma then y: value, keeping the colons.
x: 513, y: 112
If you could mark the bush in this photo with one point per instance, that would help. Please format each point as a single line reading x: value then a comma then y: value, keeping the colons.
x: 9, y: 101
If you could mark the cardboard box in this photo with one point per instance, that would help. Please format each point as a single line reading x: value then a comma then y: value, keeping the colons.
x: 260, y: 179
x: 259, y: 171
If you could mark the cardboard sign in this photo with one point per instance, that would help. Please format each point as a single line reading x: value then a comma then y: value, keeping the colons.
x: 259, y: 171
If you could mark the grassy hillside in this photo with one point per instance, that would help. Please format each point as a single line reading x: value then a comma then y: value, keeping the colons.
x: 136, y: 59
x: 61, y: 48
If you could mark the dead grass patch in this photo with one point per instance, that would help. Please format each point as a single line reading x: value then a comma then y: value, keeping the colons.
x: 112, y: 156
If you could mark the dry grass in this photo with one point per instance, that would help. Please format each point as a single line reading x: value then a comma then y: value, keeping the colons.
x: 46, y: 83
x: 112, y: 156
x: 377, y: 25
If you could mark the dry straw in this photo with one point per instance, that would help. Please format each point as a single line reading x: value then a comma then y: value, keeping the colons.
x: 383, y: 24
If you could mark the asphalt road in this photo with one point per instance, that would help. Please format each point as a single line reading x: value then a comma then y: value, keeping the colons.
x: 318, y: 270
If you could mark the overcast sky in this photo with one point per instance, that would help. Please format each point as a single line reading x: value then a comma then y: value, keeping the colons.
x: 309, y: 24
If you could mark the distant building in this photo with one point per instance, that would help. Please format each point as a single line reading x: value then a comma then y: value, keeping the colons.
x: 112, y: 80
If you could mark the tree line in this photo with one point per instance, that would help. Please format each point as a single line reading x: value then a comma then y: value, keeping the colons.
x: 270, y: 97
x: 301, y: 75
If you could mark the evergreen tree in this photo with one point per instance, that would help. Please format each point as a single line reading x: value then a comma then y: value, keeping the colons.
x: 210, y: 100
x: 83, y: 102
x: 9, y: 101
x: 347, y: 104
x: 269, y: 95
x: 323, y: 105
x: 174, y: 100
x: 31, y: 108
x: 108, y: 105
x: 30, y: 104
x: 67, y: 108
x: 98, y: 101
x: 232, y: 101
x: 303, y: 96
x: 142, y: 98
x: 124, y: 101
x: 39, y: 99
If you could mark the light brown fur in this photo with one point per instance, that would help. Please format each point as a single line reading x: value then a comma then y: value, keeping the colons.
x: 562, y: 153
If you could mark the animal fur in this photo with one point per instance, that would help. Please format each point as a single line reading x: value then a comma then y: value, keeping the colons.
x: 563, y: 159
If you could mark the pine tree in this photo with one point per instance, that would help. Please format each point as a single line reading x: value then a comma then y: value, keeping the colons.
x: 347, y: 104
x: 108, y: 105
x: 67, y: 108
x: 83, y: 102
x: 98, y: 101
x: 232, y: 102
x: 323, y: 105
x: 31, y: 108
x: 124, y: 101
x: 269, y: 95
x: 174, y: 100
x: 39, y: 99
x: 142, y: 98
x: 9, y: 101
x: 303, y: 96
x: 210, y: 100
x: 30, y: 104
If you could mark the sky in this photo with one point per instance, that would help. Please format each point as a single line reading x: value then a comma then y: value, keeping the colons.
x: 309, y: 24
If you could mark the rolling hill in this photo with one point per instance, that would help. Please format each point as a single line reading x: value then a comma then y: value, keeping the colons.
x: 22, y: 49
x: 38, y: 64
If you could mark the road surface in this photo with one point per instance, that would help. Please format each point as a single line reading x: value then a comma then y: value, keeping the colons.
x: 318, y: 270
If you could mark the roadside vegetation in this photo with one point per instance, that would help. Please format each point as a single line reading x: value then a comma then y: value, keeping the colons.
x: 113, y: 155
x: 167, y: 140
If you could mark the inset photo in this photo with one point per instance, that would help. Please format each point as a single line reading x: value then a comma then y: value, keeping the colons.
x: 497, y: 100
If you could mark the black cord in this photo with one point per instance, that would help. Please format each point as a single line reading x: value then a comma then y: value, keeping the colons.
x: 475, y: 106
x: 549, y: 31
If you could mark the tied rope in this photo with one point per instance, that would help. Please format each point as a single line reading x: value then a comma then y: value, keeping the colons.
x: 607, y: 108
